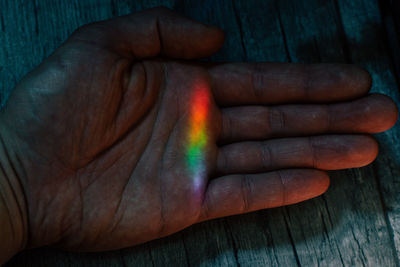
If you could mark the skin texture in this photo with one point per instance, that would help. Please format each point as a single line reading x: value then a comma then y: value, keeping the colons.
x: 97, y: 134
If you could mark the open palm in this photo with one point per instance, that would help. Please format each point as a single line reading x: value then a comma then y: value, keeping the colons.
x: 115, y: 143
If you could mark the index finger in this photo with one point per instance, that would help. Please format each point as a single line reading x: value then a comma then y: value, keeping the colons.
x: 278, y: 83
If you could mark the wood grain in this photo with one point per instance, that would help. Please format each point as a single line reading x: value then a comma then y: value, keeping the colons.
x: 356, y: 223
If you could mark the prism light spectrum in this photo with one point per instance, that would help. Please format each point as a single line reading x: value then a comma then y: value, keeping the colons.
x: 197, y: 133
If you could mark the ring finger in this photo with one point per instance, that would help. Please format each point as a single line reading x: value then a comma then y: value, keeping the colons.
x: 327, y: 152
x: 371, y: 114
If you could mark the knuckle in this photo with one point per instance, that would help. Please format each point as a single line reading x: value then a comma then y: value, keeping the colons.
x: 258, y: 80
x: 266, y: 156
x: 329, y: 118
x: 223, y: 165
x: 247, y: 189
x: 277, y: 120
x: 312, y: 150
x: 227, y: 126
x: 282, y: 181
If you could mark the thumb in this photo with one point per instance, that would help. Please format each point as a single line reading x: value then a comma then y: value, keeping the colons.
x: 152, y: 32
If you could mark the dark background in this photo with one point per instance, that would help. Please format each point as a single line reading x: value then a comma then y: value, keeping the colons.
x: 356, y: 223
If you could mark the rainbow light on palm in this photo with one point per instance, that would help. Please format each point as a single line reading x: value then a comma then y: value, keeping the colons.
x: 197, y: 136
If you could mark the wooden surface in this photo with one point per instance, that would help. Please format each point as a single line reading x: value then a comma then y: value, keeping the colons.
x: 356, y: 223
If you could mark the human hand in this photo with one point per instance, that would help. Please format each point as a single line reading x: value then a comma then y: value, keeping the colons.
x: 115, y: 142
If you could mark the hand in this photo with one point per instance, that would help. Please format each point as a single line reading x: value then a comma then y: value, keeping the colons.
x: 116, y: 143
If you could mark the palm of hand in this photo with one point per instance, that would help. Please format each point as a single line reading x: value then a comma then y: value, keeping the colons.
x: 134, y: 140
x: 120, y: 151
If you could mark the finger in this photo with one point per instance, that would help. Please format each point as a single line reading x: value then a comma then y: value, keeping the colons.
x: 274, y: 83
x: 332, y: 152
x: 241, y: 193
x: 372, y: 114
x: 152, y: 32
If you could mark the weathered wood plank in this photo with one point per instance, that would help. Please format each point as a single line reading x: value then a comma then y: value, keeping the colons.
x: 367, y: 48
x: 390, y: 11
x: 208, y: 244
x: 355, y: 236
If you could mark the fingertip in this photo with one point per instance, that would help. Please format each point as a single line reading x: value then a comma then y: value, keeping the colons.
x: 218, y: 36
x: 211, y: 41
x: 375, y: 148
x: 372, y: 146
x: 185, y: 38
x: 322, y: 182
x: 364, y: 151
x: 388, y: 112
x: 356, y: 81
x: 305, y: 184
x: 362, y: 78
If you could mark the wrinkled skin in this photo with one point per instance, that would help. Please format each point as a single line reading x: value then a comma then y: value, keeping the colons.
x: 100, y: 132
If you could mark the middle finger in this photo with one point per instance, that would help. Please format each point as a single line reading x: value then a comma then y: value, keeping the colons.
x: 371, y: 114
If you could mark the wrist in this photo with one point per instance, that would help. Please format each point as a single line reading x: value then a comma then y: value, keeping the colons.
x: 13, y: 208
